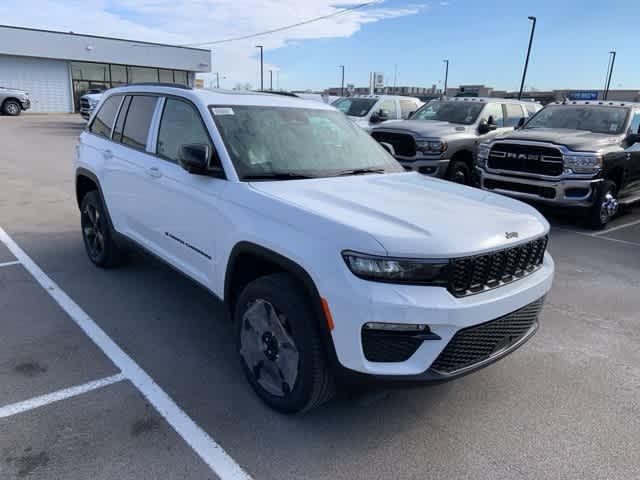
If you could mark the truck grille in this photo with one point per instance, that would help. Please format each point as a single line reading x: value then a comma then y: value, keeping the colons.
x: 476, y: 344
x: 544, y: 192
x: 477, y: 274
x: 84, y: 103
x: 537, y: 160
x: 403, y: 144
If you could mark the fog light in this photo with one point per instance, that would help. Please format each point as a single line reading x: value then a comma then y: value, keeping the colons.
x: 396, y: 327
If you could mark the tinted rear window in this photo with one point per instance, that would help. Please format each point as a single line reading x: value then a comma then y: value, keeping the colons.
x: 103, y: 123
x: 355, y: 107
x: 136, y: 126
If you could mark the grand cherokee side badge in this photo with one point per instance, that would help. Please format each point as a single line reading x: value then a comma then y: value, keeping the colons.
x: 511, y: 235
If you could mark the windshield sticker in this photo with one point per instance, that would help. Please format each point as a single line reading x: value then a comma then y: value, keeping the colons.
x: 613, y: 127
x: 222, y: 111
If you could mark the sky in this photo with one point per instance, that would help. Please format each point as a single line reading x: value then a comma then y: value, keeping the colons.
x: 485, y: 41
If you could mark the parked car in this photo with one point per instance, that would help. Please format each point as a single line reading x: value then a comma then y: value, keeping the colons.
x: 14, y: 101
x: 442, y: 137
x: 584, y: 155
x: 368, y: 111
x: 333, y: 261
x: 88, y: 103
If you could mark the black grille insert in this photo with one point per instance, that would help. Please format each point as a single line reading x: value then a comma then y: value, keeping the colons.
x: 538, y: 160
x: 381, y: 346
x: 544, y: 192
x: 476, y: 274
x: 476, y: 344
x: 403, y: 144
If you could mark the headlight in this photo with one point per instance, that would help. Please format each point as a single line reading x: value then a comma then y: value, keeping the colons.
x: 431, y: 146
x: 483, y: 154
x: 93, y: 103
x: 582, y: 163
x: 397, y: 270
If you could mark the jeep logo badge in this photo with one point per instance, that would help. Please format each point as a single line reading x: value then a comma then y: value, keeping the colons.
x: 511, y: 235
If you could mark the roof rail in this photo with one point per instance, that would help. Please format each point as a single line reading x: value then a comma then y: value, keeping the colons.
x: 159, y: 84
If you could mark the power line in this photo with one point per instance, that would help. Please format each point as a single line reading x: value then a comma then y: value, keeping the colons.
x: 286, y: 27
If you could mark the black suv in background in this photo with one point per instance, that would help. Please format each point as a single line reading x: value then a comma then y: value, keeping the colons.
x: 572, y: 154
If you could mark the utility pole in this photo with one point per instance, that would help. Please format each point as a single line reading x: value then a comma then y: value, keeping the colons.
x: 342, y: 84
x: 526, y: 63
x: 446, y: 77
x: 612, y: 62
x: 261, y: 47
x: 217, y: 79
x: 395, y: 78
x: 271, y: 80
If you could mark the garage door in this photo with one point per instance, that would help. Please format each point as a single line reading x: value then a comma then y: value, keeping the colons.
x: 47, y: 81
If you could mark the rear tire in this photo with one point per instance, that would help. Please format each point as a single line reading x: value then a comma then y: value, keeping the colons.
x: 605, y: 207
x: 97, y: 233
x: 279, y: 345
x: 11, y: 108
x: 459, y: 172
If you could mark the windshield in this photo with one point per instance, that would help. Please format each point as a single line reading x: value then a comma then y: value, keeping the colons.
x: 286, y: 142
x: 464, y: 113
x: 596, y: 119
x: 355, y: 107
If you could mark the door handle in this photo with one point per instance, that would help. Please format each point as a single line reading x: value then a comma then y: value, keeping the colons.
x: 154, y: 172
x: 107, y: 154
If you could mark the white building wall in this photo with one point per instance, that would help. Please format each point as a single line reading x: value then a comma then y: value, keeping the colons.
x: 47, y: 81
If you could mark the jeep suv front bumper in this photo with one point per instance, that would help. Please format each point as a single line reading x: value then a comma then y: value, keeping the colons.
x: 565, y: 192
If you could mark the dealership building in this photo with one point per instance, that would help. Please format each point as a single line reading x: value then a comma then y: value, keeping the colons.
x: 56, y: 68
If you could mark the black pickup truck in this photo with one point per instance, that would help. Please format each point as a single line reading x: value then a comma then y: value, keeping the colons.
x: 572, y: 154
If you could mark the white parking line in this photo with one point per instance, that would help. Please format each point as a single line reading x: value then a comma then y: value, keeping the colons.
x: 613, y: 229
x: 592, y: 235
x: 7, y: 264
x: 199, y: 440
x: 49, y: 398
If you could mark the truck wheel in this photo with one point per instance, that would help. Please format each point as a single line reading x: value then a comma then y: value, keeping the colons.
x: 605, y: 207
x: 12, y: 108
x: 459, y: 172
x: 279, y: 345
x: 97, y: 233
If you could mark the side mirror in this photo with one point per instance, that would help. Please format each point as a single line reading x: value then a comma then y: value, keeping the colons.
x: 521, y: 123
x: 194, y: 158
x: 378, y: 117
x: 486, y: 127
x: 633, y: 138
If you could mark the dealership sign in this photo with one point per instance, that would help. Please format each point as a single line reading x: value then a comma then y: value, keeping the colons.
x: 584, y: 95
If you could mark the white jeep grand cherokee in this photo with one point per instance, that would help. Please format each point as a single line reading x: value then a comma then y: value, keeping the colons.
x: 334, y: 262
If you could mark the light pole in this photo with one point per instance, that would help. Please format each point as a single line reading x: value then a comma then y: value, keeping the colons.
x: 446, y: 77
x: 261, y: 67
x: 612, y: 61
x: 342, y: 84
x: 526, y: 62
x: 271, y: 80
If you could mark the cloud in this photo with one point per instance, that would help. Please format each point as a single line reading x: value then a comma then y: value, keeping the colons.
x: 196, y: 21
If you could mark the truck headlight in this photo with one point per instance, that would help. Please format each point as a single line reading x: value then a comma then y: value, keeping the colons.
x: 397, y: 270
x: 483, y: 154
x: 93, y: 103
x: 431, y: 146
x: 582, y: 163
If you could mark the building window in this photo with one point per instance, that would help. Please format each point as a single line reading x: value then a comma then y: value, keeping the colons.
x: 142, y: 74
x: 118, y: 75
x: 180, y: 77
x: 165, y: 75
x: 98, y: 72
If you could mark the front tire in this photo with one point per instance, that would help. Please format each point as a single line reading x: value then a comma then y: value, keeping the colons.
x: 605, y: 207
x: 11, y: 108
x: 97, y: 233
x: 459, y: 172
x: 279, y: 345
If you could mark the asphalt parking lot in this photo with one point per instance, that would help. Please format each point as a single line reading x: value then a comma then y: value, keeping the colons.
x: 74, y: 406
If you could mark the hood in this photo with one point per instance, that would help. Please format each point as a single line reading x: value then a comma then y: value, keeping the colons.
x: 12, y: 90
x: 362, y: 122
x: 579, y: 140
x: 412, y: 215
x: 425, y: 128
x: 92, y: 96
